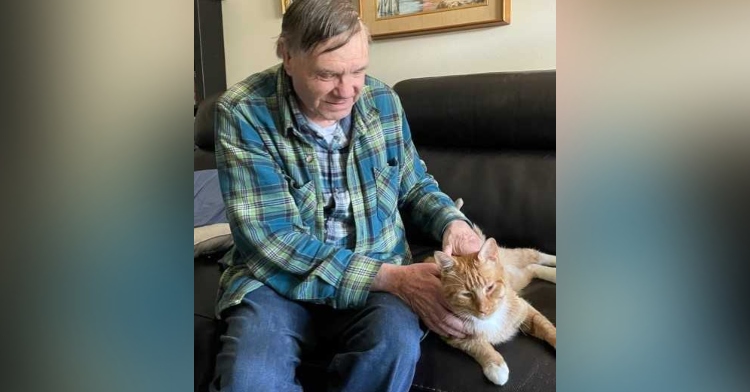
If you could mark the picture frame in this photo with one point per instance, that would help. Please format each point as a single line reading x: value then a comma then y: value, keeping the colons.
x: 388, y: 19
x: 284, y: 5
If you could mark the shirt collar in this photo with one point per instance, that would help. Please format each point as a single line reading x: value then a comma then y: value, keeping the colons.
x: 304, y: 123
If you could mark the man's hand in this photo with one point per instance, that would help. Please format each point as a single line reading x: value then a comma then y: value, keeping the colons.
x: 460, y: 239
x: 418, y: 285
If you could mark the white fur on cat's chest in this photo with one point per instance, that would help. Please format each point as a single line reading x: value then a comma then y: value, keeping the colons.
x: 501, y: 326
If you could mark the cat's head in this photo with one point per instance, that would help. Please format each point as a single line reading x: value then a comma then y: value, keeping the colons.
x: 475, y: 284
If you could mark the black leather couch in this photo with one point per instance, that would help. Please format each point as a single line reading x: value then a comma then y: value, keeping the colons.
x: 487, y: 138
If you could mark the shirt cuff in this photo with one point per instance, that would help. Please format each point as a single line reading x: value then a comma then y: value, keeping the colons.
x: 445, y: 217
x: 355, y: 285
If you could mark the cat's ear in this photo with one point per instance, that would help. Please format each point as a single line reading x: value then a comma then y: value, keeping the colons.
x: 489, y: 251
x: 443, y: 260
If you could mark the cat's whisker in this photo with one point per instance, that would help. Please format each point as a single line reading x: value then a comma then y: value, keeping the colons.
x: 465, y: 316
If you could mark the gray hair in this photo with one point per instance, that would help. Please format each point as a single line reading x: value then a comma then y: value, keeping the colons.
x: 309, y: 23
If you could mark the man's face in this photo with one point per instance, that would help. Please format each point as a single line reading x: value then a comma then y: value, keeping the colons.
x: 328, y: 84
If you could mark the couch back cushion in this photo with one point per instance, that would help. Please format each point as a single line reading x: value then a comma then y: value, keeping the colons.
x: 204, y: 134
x: 490, y: 140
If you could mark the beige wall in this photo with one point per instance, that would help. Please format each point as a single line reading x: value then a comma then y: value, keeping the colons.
x: 528, y: 43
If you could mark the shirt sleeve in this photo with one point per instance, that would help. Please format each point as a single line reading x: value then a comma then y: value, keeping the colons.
x: 268, y: 230
x: 428, y: 207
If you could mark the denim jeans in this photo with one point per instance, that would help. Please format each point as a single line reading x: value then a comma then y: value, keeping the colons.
x: 377, y: 346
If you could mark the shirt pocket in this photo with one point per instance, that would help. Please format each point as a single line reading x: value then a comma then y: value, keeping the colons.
x: 386, y: 185
x: 305, y: 200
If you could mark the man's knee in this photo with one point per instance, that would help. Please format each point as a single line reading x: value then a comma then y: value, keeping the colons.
x: 395, y: 326
x: 391, y: 310
x: 403, y: 346
x: 257, y: 373
x: 262, y: 360
x: 261, y: 346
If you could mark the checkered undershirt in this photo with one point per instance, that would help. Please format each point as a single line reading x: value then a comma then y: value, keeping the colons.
x: 331, y: 146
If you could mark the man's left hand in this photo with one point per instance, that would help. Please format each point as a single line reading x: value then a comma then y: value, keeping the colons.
x: 460, y: 239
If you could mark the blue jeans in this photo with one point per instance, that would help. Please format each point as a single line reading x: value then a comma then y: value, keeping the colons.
x: 377, y: 346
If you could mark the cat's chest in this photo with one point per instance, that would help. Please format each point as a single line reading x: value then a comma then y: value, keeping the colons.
x: 499, y: 327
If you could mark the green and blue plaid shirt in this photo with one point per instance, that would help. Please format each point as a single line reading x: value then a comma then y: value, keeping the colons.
x: 273, y: 191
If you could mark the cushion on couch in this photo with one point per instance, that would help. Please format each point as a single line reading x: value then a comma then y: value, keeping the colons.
x: 211, y: 231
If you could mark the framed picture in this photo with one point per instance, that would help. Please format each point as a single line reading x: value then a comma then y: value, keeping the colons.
x: 398, y: 18
x: 284, y: 5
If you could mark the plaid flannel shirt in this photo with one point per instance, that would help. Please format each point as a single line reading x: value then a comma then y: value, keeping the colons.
x: 272, y: 189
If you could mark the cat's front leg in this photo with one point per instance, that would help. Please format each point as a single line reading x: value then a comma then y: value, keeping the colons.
x: 535, y: 324
x: 492, y: 363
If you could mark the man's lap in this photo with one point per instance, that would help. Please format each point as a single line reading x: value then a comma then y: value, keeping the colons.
x: 263, y: 310
x: 264, y: 319
x: 267, y: 334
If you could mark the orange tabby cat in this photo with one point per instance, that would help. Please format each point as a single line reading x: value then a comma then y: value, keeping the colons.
x: 482, y: 290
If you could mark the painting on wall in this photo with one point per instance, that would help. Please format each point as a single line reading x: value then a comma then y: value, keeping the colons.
x: 397, y: 18
x: 284, y: 5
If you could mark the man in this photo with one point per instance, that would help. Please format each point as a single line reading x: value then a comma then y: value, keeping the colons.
x: 315, y: 161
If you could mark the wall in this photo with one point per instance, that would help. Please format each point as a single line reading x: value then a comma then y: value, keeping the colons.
x: 528, y: 43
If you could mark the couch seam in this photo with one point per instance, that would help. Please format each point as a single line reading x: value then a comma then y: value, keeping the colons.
x: 427, y: 388
x: 202, y: 316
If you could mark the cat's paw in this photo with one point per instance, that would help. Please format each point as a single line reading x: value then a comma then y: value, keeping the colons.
x: 498, y: 374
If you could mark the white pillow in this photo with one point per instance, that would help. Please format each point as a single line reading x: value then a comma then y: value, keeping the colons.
x: 211, y: 239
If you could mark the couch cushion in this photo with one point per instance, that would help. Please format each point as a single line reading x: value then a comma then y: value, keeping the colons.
x: 206, y: 328
x: 203, y: 134
x: 210, y: 225
x: 509, y: 195
x: 502, y: 110
x: 206, y: 345
x: 203, y: 126
x: 208, y: 204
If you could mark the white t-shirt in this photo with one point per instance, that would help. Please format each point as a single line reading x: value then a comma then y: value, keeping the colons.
x: 329, y: 132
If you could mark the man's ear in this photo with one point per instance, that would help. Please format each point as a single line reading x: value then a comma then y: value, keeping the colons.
x: 443, y: 260
x: 286, y: 57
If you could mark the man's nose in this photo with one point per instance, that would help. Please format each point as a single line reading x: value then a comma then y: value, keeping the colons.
x: 346, y: 87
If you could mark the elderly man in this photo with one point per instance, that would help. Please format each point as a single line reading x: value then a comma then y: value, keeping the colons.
x: 316, y: 166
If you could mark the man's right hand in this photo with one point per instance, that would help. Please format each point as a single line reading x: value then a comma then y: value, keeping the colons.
x: 418, y: 285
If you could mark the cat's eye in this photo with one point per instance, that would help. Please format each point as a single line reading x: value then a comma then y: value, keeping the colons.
x: 490, y: 288
x: 465, y: 294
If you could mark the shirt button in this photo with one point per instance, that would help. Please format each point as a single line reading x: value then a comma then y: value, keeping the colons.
x: 309, y: 158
